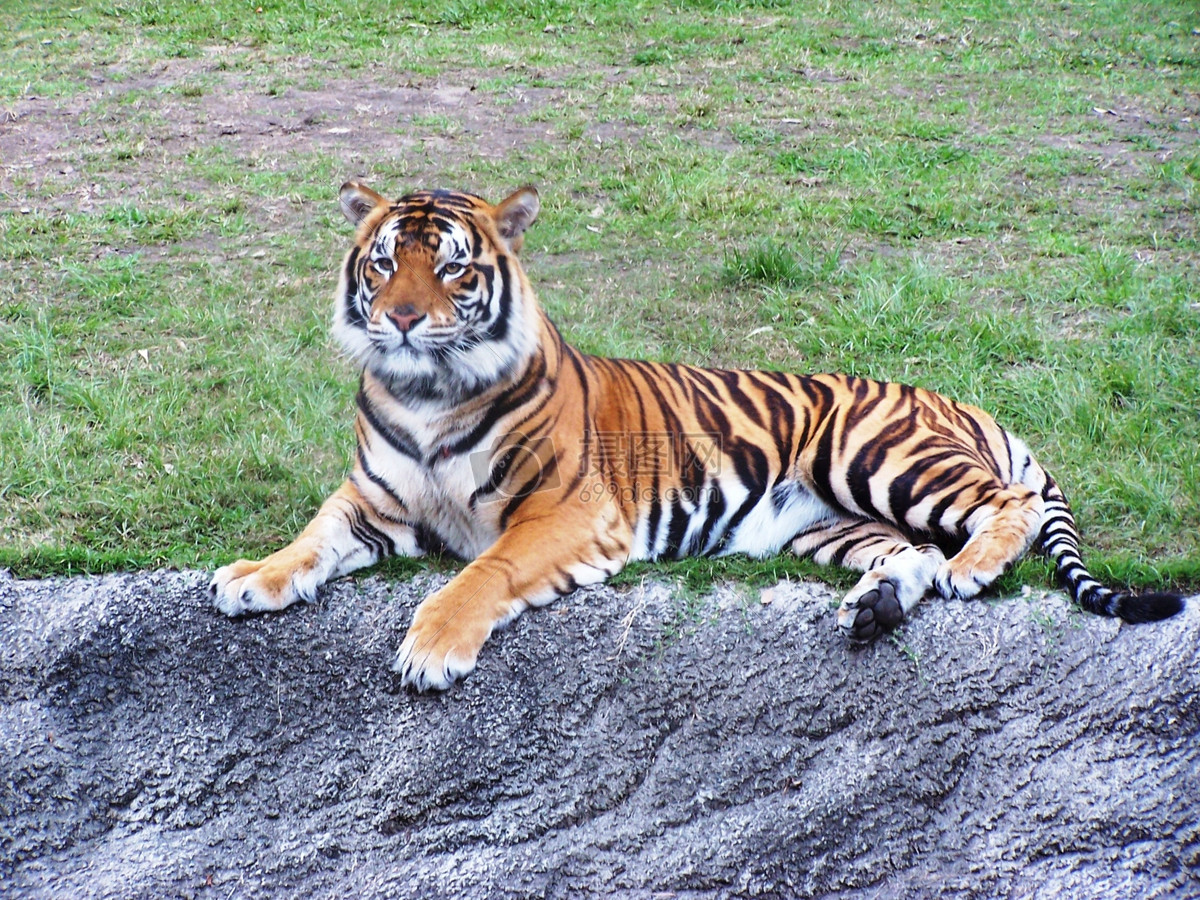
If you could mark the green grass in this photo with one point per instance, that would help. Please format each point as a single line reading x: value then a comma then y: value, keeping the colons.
x: 994, y: 200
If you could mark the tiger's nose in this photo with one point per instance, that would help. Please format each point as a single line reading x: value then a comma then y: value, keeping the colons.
x: 405, y: 317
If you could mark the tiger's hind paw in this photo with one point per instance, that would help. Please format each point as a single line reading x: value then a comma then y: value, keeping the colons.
x: 884, y: 595
x: 876, y: 612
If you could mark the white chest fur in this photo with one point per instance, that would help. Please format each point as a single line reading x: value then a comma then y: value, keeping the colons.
x: 417, y: 466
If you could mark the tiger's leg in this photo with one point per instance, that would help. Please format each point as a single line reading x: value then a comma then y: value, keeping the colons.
x: 527, y: 566
x: 896, y: 576
x: 346, y: 534
x: 1001, y: 530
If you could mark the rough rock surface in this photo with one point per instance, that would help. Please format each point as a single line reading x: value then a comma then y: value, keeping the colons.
x: 620, y: 743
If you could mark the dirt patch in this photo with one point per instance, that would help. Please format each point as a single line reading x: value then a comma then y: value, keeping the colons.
x: 46, y: 139
x: 371, y: 121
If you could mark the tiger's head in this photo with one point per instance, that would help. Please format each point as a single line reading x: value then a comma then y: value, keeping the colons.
x: 432, y: 298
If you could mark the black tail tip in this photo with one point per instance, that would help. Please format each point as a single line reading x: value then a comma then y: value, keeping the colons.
x: 1152, y: 607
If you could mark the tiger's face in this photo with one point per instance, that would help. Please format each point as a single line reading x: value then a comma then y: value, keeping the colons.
x: 431, y: 297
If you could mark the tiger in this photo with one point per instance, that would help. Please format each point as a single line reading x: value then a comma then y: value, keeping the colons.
x: 482, y: 434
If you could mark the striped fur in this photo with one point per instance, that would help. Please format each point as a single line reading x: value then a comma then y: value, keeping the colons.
x: 483, y: 434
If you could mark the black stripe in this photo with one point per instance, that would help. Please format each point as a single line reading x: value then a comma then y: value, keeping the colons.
x: 376, y: 480
x: 525, y: 389
x: 702, y: 378
x: 822, y: 465
x: 782, y: 378
x: 715, y: 510
x: 735, y: 520
x: 981, y: 444
x: 689, y: 474
x: 782, y: 413
x: 733, y: 383
x: 477, y: 242
x: 429, y: 541
x: 1009, y: 450
x: 498, y: 330
x: 371, y: 537
x: 653, y: 518
x: 676, y: 529
x: 868, y: 462
x: 950, y: 478
x: 354, y: 313
x: 397, y: 437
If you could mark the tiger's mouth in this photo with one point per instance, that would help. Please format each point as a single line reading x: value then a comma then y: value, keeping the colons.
x: 440, y: 349
x: 389, y: 341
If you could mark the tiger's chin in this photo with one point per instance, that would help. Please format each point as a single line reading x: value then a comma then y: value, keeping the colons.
x: 445, y: 374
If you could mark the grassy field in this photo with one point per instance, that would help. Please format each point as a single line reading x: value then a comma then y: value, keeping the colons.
x: 995, y: 200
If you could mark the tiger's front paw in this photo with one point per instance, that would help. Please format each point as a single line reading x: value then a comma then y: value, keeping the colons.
x: 440, y: 648
x: 259, y: 586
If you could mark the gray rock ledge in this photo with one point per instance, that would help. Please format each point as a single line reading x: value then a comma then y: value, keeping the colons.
x: 619, y: 743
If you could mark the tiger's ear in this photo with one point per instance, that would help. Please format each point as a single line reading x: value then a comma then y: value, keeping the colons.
x: 516, y: 213
x: 358, y: 201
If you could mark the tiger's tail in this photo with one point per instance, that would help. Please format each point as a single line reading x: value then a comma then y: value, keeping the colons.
x: 1059, y: 540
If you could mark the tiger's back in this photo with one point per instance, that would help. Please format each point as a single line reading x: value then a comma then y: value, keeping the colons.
x: 482, y: 432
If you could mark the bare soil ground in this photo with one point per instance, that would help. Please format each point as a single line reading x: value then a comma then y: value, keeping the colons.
x: 364, y: 122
